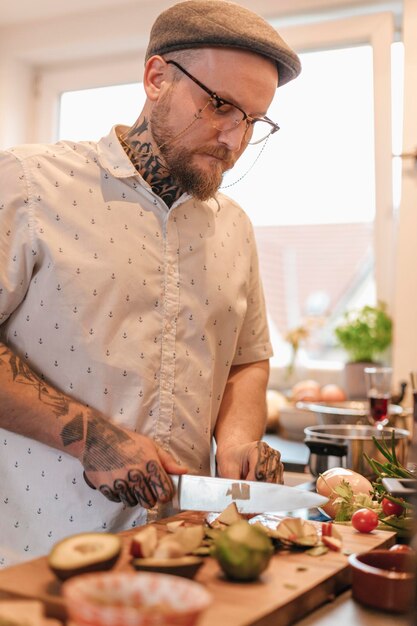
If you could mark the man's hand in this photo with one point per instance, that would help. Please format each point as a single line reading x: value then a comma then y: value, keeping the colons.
x: 127, y: 467
x: 251, y: 461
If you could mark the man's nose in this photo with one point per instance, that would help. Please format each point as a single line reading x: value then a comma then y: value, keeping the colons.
x: 233, y: 138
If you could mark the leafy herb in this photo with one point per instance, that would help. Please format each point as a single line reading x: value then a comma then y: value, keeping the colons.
x: 348, y: 502
x: 391, y: 469
x: 365, y: 333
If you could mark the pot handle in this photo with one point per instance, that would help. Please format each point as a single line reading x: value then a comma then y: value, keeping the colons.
x: 326, y: 447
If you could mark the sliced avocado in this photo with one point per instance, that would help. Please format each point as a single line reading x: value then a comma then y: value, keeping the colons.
x: 85, y: 552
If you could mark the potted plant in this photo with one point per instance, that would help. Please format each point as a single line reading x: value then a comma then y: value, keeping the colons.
x: 364, y: 334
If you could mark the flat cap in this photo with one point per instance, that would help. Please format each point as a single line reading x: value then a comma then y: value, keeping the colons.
x: 219, y: 23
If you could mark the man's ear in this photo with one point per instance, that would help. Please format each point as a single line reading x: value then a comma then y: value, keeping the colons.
x: 154, y: 76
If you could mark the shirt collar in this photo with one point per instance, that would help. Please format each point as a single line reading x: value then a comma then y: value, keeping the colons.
x: 113, y: 158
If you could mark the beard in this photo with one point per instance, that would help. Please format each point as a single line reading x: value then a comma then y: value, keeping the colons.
x: 179, y: 158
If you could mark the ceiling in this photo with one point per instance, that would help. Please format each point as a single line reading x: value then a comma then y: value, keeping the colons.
x: 30, y: 10
x: 21, y: 11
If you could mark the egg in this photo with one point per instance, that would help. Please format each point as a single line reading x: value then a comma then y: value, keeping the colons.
x: 275, y: 401
x: 306, y: 390
x: 331, y: 478
x: 332, y: 393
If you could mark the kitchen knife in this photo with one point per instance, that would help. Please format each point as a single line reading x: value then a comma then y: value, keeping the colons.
x: 202, y: 493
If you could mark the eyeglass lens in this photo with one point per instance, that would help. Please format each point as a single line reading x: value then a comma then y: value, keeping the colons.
x: 227, y: 117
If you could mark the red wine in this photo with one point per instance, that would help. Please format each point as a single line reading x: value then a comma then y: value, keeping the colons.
x: 379, y: 407
x: 415, y: 407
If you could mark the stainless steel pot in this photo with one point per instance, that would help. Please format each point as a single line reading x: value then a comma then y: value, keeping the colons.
x: 345, y: 445
x: 347, y: 412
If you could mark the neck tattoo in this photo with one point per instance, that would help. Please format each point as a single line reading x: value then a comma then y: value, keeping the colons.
x: 149, y: 165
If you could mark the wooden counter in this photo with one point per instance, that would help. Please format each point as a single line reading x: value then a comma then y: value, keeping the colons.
x: 293, y: 585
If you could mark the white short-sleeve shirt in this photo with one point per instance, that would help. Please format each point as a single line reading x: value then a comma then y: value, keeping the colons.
x: 128, y: 306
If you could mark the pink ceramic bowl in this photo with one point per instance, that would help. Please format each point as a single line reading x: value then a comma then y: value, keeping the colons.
x: 384, y: 579
x: 129, y: 599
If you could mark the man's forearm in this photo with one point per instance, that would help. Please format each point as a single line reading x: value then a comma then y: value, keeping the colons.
x: 242, y: 414
x: 123, y: 465
x: 31, y: 407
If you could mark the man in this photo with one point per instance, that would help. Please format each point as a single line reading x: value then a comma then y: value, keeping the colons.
x: 133, y: 321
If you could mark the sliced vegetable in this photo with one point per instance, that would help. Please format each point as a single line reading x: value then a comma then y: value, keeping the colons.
x: 168, y: 549
x: 317, y: 550
x: 85, y: 552
x: 230, y: 515
x: 186, y: 566
x: 144, y: 542
x: 189, y: 538
x: 294, y: 531
x: 333, y: 543
x: 331, y: 537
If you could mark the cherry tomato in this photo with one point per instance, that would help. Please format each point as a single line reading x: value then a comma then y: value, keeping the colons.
x: 391, y: 508
x: 364, y: 520
x: 402, y: 547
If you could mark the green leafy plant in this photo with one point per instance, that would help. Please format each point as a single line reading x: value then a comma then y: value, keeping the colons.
x: 365, y: 333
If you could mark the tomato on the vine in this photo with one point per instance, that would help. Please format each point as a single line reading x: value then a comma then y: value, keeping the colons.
x: 391, y: 508
x: 364, y: 520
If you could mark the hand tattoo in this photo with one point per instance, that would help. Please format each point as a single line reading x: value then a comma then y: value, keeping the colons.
x: 109, y: 448
x: 73, y: 431
x: 268, y: 466
x: 140, y: 489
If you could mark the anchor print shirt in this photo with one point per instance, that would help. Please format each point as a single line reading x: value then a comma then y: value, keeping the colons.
x: 133, y: 308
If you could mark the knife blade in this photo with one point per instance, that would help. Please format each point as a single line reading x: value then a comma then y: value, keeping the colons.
x: 203, y: 493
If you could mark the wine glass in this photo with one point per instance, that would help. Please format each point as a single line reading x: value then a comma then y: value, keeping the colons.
x: 378, y: 386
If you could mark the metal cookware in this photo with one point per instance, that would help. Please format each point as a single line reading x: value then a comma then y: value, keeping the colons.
x: 348, y: 412
x: 345, y: 446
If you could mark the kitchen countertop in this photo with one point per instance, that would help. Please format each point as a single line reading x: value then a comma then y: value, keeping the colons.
x: 293, y: 585
x: 344, y: 610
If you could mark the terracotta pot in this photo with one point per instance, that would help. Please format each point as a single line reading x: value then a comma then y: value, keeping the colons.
x: 384, y: 579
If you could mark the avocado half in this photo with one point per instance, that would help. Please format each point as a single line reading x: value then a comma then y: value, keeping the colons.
x: 85, y: 552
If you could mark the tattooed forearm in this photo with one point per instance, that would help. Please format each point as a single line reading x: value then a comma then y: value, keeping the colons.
x: 23, y: 375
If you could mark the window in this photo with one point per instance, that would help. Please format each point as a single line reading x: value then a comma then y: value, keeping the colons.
x: 311, y: 198
x: 90, y: 113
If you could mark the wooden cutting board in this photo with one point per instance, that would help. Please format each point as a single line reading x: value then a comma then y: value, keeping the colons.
x: 293, y: 585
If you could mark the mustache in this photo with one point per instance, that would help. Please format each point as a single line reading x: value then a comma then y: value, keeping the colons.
x: 220, y: 152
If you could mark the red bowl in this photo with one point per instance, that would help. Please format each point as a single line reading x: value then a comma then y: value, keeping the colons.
x: 384, y: 579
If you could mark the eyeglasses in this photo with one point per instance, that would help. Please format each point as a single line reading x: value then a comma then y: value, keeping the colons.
x: 226, y: 116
